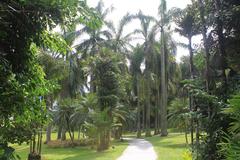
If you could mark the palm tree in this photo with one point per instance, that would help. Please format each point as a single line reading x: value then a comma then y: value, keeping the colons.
x: 96, y: 38
x: 63, y: 117
x: 136, y: 60
x: 164, y: 60
x: 187, y: 28
x: 148, y: 35
x: 55, y: 70
x: 120, y: 43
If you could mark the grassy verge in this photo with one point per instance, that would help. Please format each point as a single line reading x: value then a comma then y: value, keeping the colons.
x: 85, y: 153
x: 171, y: 147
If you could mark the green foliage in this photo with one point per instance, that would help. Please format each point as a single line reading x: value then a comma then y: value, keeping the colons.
x: 107, y: 79
x: 230, y: 146
x: 7, y: 153
x: 234, y: 112
x: 179, y: 115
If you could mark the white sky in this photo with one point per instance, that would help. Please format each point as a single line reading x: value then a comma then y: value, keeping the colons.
x: 149, y: 7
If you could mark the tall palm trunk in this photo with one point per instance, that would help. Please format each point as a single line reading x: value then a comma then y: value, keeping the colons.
x: 192, y: 77
x: 159, y: 108
x: 163, y: 110
x: 157, y: 104
x: 148, y: 104
x: 138, y: 109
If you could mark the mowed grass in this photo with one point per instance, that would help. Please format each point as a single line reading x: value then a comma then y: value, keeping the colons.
x: 171, y: 147
x: 76, y: 153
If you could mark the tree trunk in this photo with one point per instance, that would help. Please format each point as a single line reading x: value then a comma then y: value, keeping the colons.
x: 63, y: 135
x: 163, y: 87
x: 148, y: 105
x: 59, y: 134
x: 159, y: 108
x: 144, y: 118
x: 103, y: 141
x: 156, y: 131
x: 49, y: 103
x: 186, y: 134
x: 48, y: 133
x: 138, y: 109
x: 192, y: 77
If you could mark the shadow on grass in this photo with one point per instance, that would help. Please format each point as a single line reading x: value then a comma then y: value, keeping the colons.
x: 76, y: 153
x: 173, y: 141
x: 171, y: 145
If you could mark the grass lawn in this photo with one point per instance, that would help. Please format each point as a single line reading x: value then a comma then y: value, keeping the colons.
x: 77, y: 153
x: 171, y: 147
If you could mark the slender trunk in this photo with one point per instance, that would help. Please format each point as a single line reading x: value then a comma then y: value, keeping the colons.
x: 70, y: 133
x: 38, y: 142
x: 186, y: 134
x: 138, y: 109
x: 34, y: 143
x: 49, y: 102
x: 31, y: 146
x: 191, y: 108
x: 148, y: 105
x: 156, y: 131
x: 159, y: 108
x: 156, y: 122
x: 191, y: 57
x: 163, y: 87
x: 191, y: 118
x: 144, y: 118
x: 40, y: 145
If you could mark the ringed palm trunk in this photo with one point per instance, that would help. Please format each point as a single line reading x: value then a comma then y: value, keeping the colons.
x: 163, y: 87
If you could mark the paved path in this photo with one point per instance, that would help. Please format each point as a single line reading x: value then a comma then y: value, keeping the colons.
x: 139, y: 149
